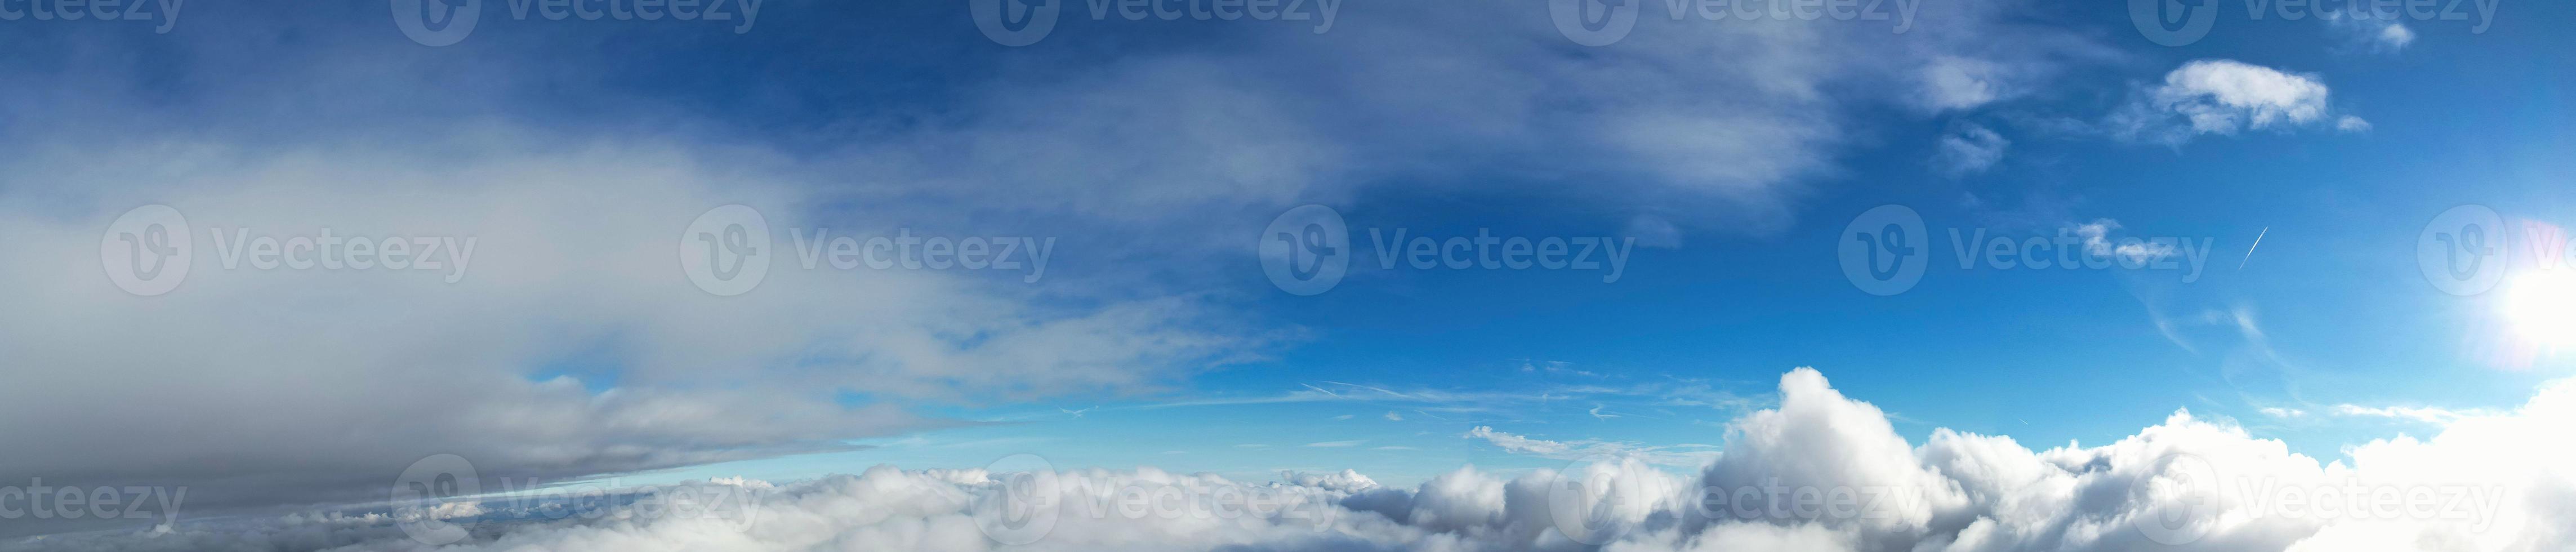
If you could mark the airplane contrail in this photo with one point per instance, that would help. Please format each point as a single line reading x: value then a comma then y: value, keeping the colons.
x: 2249, y: 250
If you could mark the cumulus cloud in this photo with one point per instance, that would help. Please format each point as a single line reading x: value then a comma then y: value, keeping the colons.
x: 1345, y: 481
x: 2222, y: 97
x: 1823, y: 472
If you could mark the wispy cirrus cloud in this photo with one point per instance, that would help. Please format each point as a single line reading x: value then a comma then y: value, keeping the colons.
x: 1673, y: 455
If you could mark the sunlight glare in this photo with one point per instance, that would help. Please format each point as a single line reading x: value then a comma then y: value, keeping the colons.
x: 2541, y: 307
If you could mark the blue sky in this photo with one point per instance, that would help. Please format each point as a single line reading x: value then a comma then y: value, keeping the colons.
x: 1736, y: 155
x: 2044, y: 356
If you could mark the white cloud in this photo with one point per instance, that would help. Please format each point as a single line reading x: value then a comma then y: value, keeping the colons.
x: 1969, y: 150
x: 2421, y: 414
x: 2491, y: 483
x: 1394, y: 417
x: 1345, y: 481
x: 2394, y: 36
x: 1518, y: 444
x: 1571, y: 450
x: 2222, y: 97
x: 1650, y: 231
x: 1953, y: 82
x: 2363, y: 33
x: 2134, y: 252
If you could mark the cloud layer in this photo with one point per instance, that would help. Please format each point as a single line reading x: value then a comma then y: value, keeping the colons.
x: 572, y: 345
x: 1822, y: 472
